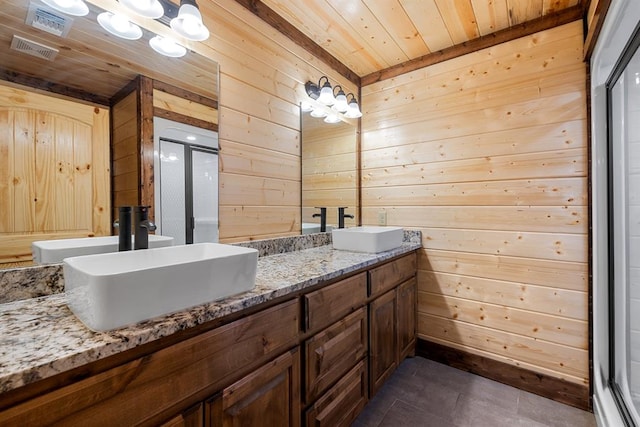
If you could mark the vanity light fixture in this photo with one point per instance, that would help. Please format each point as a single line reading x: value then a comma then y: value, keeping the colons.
x: 323, y: 94
x: 145, y: 8
x: 353, y: 111
x: 340, y: 105
x: 70, y: 7
x: 167, y: 47
x: 188, y: 23
x: 119, y: 25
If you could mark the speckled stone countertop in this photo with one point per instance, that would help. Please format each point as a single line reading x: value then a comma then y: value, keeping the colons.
x: 40, y: 337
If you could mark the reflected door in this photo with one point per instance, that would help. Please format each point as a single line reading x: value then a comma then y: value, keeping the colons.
x: 188, y: 192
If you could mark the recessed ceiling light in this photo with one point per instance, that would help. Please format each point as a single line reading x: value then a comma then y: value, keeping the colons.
x: 167, y: 47
x: 119, y: 25
x: 147, y: 8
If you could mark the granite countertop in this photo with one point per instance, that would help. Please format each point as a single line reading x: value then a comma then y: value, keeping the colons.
x: 40, y: 337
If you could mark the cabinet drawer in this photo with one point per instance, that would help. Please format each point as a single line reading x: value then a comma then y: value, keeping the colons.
x: 343, y: 402
x: 332, y: 352
x: 329, y: 304
x: 391, y: 274
x: 145, y: 390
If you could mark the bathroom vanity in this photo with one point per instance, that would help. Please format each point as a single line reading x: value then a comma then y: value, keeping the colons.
x: 316, y: 338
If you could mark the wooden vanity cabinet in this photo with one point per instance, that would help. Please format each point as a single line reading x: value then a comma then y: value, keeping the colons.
x: 314, y: 359
x: 391, y: 318
x: 155, y: 387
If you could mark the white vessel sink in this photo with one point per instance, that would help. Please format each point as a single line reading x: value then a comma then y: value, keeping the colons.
x: 311, y: 227
x: 54, y: 251
x: 108, y: 291
x: 367, y: 238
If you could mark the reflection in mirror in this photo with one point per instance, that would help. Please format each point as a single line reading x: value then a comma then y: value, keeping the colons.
x: 61, y: 176
x: 329, y: 173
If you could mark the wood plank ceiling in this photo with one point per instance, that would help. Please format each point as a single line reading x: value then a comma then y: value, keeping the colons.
x: 369, y: 36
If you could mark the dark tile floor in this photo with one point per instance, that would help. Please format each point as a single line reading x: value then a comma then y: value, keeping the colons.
x: 425, y: 393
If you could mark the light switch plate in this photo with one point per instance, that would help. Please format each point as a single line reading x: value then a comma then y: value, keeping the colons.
x: 382, y: 217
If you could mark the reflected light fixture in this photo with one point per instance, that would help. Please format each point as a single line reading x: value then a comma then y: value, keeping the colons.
x: 167, y: 47
x: 306, y: 106
x: 70, y: 7
x: 119, y: 25
x: 318, y: 113
x: 146, y: 8
x: 332, y: 118
x: 188, y: 23
x: 323, y: 93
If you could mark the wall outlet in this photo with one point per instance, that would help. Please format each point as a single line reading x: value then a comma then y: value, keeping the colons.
x: 382, y: 218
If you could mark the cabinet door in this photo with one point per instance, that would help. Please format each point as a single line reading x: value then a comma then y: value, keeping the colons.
x: 192, y: 417
x: 406, y: 315
x: 339, y: 406
x: 382, y: 340
x: 333, y: 352
x: 270, y: 396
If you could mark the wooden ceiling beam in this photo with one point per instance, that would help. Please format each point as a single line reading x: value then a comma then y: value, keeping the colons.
x: 47, y: 86
x: 265, y: 13
x: 595, y: 26
x: 524, y: 29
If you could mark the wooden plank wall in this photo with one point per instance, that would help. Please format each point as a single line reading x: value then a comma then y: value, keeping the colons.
x: 262, y: 76
x: 486, y: 154
x: 329, y: 177
x: 125, y: 153
x: 54, y: 171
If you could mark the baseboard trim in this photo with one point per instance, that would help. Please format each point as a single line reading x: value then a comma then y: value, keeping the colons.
x: 544, y: 385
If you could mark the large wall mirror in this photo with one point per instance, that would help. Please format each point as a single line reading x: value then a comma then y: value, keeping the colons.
x: 329, y: 173
x: 70, y: 135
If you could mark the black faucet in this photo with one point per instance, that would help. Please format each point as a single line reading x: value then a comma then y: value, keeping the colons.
x: 323, y: 218
x: 342, y: 216
x: 123, y: 224
x: 142, y: 227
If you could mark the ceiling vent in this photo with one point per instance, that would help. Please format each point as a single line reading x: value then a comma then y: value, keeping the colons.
x: 33, y: 48
x: 47, y: 19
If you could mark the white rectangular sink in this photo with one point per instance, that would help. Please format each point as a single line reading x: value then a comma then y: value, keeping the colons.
x: 54, y: 251
x: 108, y: 291
x: 369, y: 239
